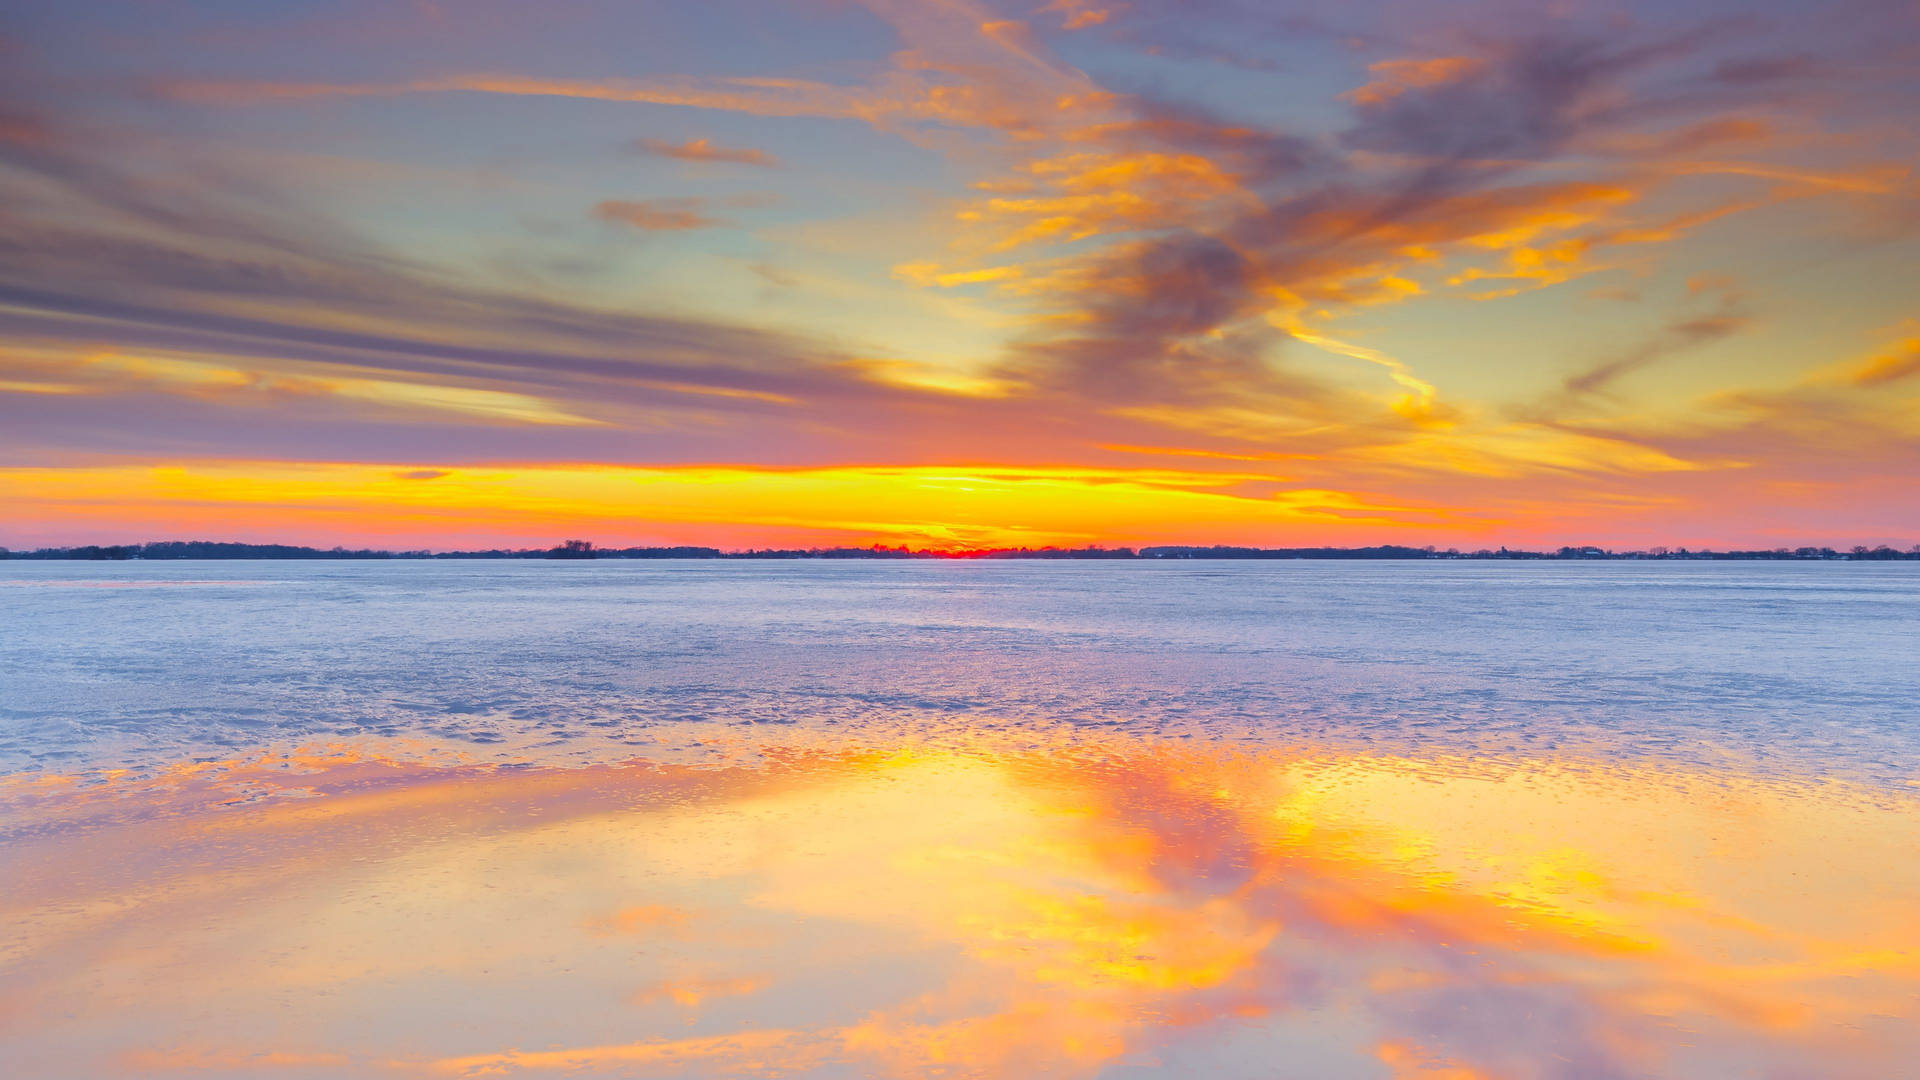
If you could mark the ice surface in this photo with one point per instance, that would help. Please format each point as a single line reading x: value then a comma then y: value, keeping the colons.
x: 832, y: 820
x: 1810, y: 669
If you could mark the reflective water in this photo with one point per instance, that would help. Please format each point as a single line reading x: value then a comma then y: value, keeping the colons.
x: 1313, y: 820
x: 570, y: 663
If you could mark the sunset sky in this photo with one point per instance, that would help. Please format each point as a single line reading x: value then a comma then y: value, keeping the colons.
x: 958, y: 274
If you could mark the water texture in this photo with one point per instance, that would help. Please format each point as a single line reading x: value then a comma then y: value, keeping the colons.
x: 125, y: 665
x: 1331, y: 821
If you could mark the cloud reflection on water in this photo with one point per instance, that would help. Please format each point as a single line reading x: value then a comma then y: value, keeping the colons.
x: 1129, y: 909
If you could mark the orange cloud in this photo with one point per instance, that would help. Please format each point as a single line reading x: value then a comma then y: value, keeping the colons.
x: 1900, y: 362
x: 692, y: 993
x: 1093, y: 193
x: 755, y: 1051
x: 925, y: 274
x: 657, y: 215
x: 107, y: 372
x: 1172, y: 262
x: 1079, y: 14
x: 902, y: 97
x: 191, y: 1059
x: 758, y: 96
x: 703, y: 149
x: 1870, y: 180
x: 1395, y: 77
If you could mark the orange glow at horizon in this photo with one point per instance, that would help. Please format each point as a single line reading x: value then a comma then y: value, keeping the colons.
x: 946, y: 508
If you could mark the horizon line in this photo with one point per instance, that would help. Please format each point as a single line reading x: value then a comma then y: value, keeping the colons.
x: 187, y: 550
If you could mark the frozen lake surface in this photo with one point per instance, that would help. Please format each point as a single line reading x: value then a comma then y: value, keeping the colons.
x: 1351, y: 821
x: 1796, y: 666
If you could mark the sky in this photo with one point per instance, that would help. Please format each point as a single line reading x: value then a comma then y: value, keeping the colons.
x: 958, y: 274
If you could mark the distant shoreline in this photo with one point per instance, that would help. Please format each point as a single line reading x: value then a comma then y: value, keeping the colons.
x: 580, y: 549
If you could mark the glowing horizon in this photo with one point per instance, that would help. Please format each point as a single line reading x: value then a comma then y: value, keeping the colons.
x: 960, y: 275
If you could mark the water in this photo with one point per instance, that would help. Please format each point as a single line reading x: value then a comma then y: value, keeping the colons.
x: 126, y: 665
x: 1453, y: 821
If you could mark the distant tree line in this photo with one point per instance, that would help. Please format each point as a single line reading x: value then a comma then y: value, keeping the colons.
x: 201, y: 549
x: 584, y: 549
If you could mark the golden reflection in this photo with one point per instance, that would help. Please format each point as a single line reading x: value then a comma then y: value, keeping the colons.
x: 1062, y: 910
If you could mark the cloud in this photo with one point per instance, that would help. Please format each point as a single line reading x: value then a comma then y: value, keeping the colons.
x: 1753, y: 70
x: 1172, y: 256
x: 1828, y: 454
x: 930, y: 274
x: 1163, y: 199
x: 1188, y: 272
x: 692, y: 993
x: 1199, y: 312
x: 1525, y: 100
x: 1718, y: 133
x: 1729, y: 316
x: 703, y: 149
x: 124, y: 372
x: 657, y: 215
x: 1170, y: 252
x: 195, y: 1059
x: 22, y: 128
x: 1900, y: 362
x: 201, y: 269
x: 741, y: 1054
x: 758, y: 96
x: 1079, y: 14
x: 924, y: 93
x: 1395, y: 77
x: 961, y: 67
